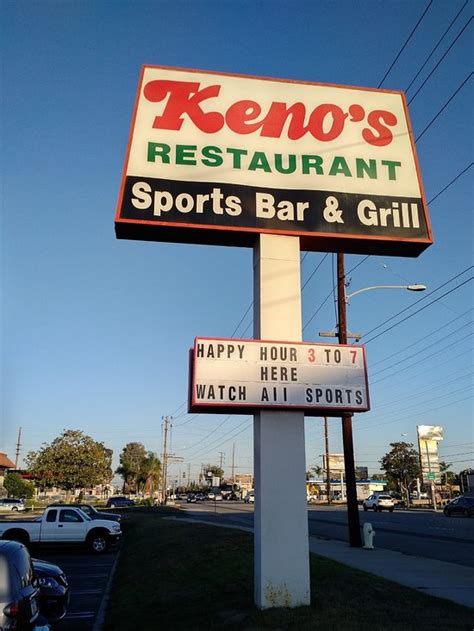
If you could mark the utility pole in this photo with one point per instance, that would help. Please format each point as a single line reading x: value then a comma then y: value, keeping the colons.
x: 18, y: 445
x: 328, y: 470
x: 221, y: 461
x: 349, y: 465
x: 164, y: 472
x: 189, y: 474
x: 233, y: 465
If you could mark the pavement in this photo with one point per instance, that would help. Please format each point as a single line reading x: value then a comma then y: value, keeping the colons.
x: 436, y: 578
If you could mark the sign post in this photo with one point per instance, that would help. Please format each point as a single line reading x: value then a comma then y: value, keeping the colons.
x: 280, y: 166
x: 280, y: 514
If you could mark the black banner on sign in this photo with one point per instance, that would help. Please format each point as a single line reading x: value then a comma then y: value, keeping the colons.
x: 230, y: 214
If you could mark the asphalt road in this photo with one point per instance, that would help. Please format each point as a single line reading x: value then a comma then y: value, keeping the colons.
x: 417, y: 532
x: 88, y: 575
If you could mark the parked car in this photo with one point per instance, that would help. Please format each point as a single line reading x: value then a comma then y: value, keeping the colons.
x: 191, y: 498
x: 379, y: 502
x: 19, y: 595
x: 233, y: 497
x: 53, y: 590
x: 119, y: 502
x: 62, y: 525
x: 250, y: 497
x: 92, y: 512
x: 200, y: 497
x: 11, y: 504
x: 218, y: 497
x: 460, y: 506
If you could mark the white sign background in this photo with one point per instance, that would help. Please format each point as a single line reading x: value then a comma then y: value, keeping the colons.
x: 350, y: 144
x: 227, y: 373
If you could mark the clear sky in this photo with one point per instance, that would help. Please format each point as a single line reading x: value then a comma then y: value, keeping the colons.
x: 95, y: 332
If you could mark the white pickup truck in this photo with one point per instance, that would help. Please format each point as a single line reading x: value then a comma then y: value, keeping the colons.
x: 63, y: 525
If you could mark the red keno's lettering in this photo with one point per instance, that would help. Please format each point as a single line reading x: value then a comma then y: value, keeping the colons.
x: 325, y: 122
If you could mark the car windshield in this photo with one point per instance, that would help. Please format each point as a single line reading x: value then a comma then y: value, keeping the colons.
x: 83, y: 514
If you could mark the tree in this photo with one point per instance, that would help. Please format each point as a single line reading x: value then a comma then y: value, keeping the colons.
x: 18, y: 487
x: 150, y: 472
x: 131, y: 461
x: 313, y: 472
x: 72, y: 461
x: 402, y: 466
x: 214, y: 470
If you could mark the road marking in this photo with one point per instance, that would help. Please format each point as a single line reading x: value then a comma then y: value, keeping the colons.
x: 81, y: 614
x: 83, y: 592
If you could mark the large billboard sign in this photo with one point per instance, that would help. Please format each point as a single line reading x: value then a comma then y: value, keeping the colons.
x: 219, y: 158
x: 242, y: 376
x: 429, y: 437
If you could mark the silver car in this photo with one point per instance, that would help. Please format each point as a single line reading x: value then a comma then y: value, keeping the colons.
x: 379, y: 502
x: 11, y: 504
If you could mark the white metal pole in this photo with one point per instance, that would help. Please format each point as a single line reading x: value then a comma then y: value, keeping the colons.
x: 280, y: 519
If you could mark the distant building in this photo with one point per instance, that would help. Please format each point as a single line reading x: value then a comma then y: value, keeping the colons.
x: 5, y: 464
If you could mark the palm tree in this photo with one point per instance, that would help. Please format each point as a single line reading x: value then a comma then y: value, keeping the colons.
x: 150, y: 472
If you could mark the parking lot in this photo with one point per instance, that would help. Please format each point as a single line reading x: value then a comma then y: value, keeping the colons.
x: 88, y: 576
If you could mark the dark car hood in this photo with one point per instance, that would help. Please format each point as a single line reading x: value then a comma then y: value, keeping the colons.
x: 43, y: 568
x: 105, y: 515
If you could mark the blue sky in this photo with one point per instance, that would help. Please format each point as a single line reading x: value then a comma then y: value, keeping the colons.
x: 95, y: 332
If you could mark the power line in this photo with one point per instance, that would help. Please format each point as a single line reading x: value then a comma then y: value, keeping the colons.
x: 444, y: 106
x: 450, y: 183
x: 331, y: 292
x: 425, y: 348
x: 450, y: 280
x: 440, y: 60
x: 436, y: 45
x: 242, y: 319
x: 410, y: 417
x: 406, y: 42
x: 315, y: 270
x: 419, y: 310
x: 380, y: 361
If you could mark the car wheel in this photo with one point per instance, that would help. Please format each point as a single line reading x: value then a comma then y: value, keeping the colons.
x: 466, y: 512
x: 391, y: 510
x: 365, y: 508
x: 447, y: 513
x: 98, y: 543
x: 14, y: 508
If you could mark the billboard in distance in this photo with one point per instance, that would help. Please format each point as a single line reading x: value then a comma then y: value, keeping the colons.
x: 218, y: 158
x: 428, y: 443
x: 336, y: 464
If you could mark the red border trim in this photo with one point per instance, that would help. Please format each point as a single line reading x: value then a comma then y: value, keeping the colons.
x: 195, y: 406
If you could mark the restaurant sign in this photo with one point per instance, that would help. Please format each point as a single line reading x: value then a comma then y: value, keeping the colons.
x: 219, y: 158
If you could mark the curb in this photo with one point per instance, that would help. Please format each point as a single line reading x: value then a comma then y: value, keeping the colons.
x: 100, y: 617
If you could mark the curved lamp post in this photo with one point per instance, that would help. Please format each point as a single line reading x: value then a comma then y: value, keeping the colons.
x: 409, y: 287
x: 349, y: 464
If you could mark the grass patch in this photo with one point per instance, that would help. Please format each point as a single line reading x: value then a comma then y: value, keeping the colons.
x: 175, y: 575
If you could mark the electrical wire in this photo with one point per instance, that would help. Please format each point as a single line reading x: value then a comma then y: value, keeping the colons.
x: 435, y: 343
x: 436, y: 46
x: 421, y: 339
x: 440, y: 61
x: 405, y: 44
x: 450, y: 280
x: 444, y: 106
x: 450, y: 183
x: 411, y: 315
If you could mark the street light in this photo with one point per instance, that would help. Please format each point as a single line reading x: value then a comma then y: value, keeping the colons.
x: 347, y: 297
x: 349, y: 464
x: 409, y: 287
